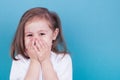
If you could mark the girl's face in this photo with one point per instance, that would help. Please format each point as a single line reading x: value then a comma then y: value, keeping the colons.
x: 39, y: 29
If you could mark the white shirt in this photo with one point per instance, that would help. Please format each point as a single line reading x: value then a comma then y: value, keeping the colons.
x: 62, y: 66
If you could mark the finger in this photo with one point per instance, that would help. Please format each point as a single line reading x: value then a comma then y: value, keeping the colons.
x: 47, y: 47
x: 35, y: 48
x: 45, y: 44
x: 39, y: 44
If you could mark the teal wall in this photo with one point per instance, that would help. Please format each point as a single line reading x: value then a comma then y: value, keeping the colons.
x: 91, y: 29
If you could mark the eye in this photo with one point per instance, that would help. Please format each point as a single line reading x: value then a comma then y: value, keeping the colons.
x: 42, y: 34
x: 29, y: 35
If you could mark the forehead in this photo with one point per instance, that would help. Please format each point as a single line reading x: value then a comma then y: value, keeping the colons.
x: 37, y: 25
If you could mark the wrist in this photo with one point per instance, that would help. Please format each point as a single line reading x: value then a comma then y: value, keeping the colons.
x: 45, y: 62
x: 35, y: 62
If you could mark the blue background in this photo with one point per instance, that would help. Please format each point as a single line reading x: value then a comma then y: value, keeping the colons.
x: 91, y: 29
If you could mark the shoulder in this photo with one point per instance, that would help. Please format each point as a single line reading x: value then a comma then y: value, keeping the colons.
x: 63, y: 66
x: 62, y: 58
x: 21, y: 61
x: 19, y: 68
x: 21, y: 58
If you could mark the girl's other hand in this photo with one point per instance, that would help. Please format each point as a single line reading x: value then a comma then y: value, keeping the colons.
x: 31, y: 51
x: 44, y: 50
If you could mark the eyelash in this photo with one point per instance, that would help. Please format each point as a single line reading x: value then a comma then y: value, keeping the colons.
x: 29, y: 35
x: 42, y: 33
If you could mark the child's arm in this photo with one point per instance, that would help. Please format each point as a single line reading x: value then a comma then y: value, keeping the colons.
x: 48, y: 71
x: 33, y: 71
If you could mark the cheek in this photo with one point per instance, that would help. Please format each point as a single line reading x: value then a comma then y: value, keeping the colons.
x: 27, y: 41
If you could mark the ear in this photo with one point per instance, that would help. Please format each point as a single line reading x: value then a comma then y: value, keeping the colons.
x: 55, y: 33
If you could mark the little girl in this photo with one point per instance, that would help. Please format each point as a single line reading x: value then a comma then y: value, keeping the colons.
x: 38, y: 49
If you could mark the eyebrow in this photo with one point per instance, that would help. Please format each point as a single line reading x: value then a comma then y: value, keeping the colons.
x: 42, y: 31
x: 38, y: 31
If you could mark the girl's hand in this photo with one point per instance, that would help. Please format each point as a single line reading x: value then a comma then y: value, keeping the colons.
x: 31, y: 51
x: 43, y: 50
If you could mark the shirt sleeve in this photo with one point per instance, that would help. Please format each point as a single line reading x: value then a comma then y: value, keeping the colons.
x: 18, y: 70
x: 64, y: 68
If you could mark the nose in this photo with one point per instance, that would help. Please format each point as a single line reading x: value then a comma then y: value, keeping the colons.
x: 36, y: 37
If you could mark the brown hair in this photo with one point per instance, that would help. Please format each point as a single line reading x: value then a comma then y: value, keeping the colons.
x: 18, y: 44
